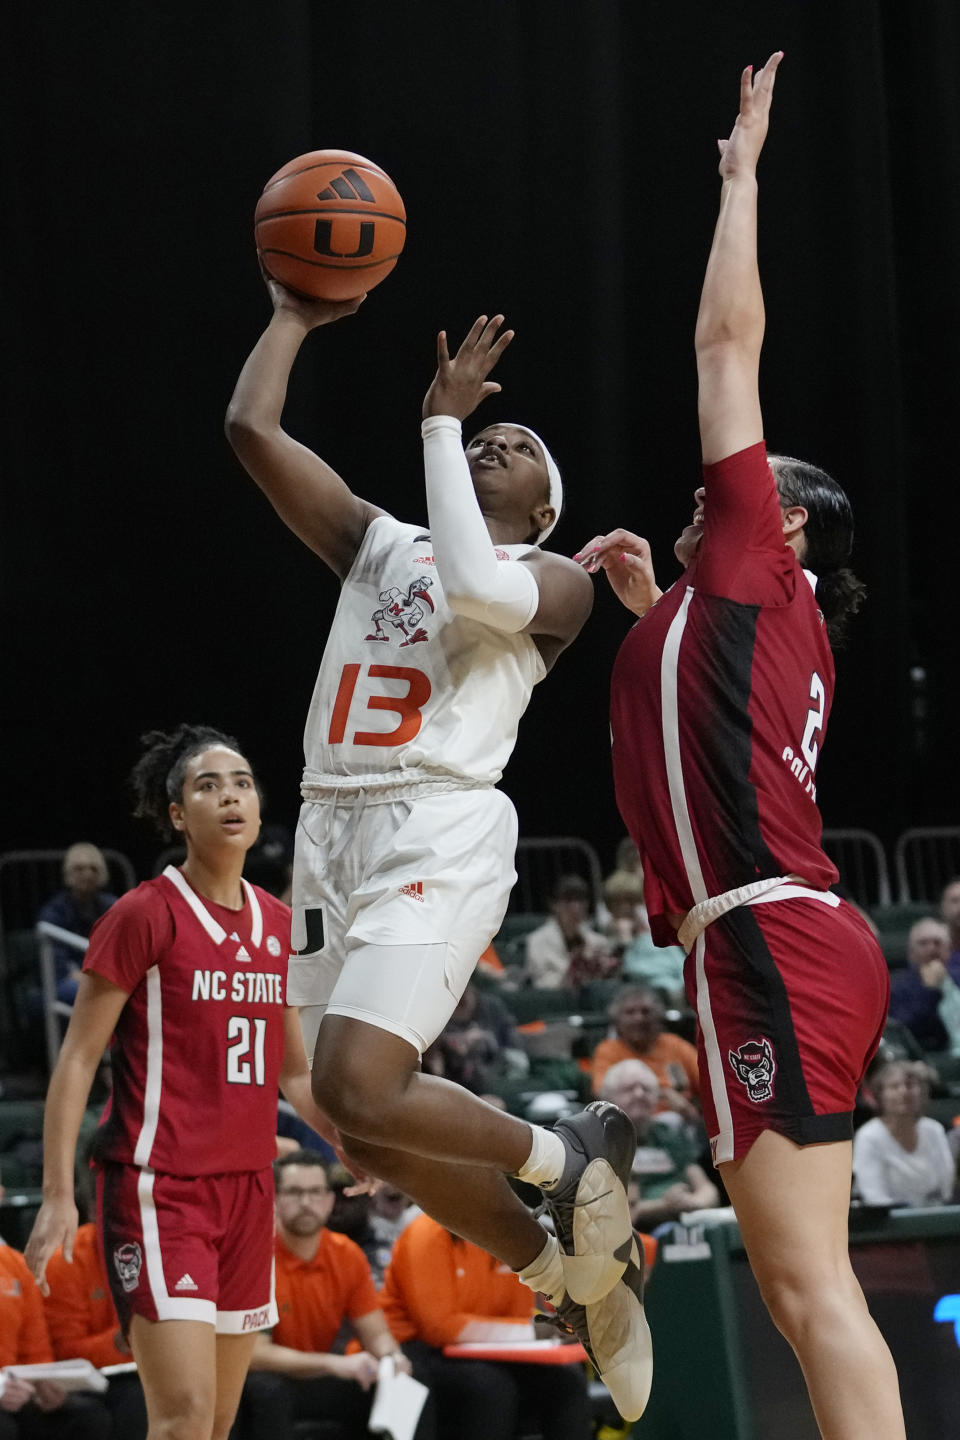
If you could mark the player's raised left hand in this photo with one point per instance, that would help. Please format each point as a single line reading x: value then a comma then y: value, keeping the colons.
x: 461, y: 383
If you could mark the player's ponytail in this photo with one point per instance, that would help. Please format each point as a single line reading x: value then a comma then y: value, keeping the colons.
x: 828, y: 534
x: 158, y: 776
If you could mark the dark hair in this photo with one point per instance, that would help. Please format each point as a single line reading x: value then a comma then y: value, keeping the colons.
x: 301, y: 1157
x: 828, y: 534
x: 571, y: 887
x: 158, y: 776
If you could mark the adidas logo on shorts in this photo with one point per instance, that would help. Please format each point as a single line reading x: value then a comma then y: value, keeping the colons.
x: 185, y: 1283
x: 414, y: 890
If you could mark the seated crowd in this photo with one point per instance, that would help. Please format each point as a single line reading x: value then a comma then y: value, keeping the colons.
x: 360, y: 1278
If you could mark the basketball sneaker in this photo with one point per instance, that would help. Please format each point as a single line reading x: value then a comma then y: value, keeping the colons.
x: 588, y: 1204
x: 615, y: 1334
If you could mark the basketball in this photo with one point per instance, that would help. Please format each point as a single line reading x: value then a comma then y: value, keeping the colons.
x: 330, y: 225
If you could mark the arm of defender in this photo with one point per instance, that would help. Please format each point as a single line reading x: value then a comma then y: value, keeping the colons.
x: 307, y: 494
x: 96, y: 1011
x: 730, y: 322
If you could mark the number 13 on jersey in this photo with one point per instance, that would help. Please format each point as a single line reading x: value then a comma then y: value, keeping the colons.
x: 408, y: 706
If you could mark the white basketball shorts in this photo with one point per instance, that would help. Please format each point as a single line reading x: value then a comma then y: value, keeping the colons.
x: 433, y: 872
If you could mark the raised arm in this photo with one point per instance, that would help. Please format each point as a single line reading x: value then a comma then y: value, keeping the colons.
x: 306, y: 493
x: 731, y: 320
x: 545, y: 595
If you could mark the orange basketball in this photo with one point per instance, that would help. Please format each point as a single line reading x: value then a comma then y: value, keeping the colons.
x: 330, y: 225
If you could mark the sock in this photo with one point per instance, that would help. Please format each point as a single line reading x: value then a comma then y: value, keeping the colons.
x: 544, y: 1275
x: 544, y: 1165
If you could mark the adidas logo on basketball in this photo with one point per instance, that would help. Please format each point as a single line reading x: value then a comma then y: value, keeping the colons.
x: 414, y: 890
x: 185, y: 1283
x: 348, y: 185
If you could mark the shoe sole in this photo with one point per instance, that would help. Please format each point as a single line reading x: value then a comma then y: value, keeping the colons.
x: 602, y: 1228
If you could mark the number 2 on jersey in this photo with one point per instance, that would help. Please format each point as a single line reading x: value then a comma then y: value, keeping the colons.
x: 409, y: 707
x: 238, y: 1049
x: 810, y: 746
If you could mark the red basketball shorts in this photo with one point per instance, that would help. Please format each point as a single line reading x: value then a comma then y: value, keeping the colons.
x: 791, y: 1000
x: 189, y: 1249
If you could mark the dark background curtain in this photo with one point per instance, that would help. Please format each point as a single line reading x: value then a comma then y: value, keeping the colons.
x: 558, y: 163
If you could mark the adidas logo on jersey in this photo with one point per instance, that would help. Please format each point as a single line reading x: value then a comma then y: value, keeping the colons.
x: 242, y: 953
x: 348, y: 185
x: 414, y: 890
x: 185, y: 1283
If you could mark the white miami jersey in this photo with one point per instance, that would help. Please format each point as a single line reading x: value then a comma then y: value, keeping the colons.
x: 407, y: 688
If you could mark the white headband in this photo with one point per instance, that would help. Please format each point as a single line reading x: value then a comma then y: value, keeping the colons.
x: 553, y: 472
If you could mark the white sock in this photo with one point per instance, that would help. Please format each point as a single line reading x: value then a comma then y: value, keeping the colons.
x: 544, y: 1275
x: 544, y: 1165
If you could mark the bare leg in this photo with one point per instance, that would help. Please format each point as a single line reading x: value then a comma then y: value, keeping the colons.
x: 398, y: 1124
x: 369, y: 1082
x: 791, y: 1203
x: 191, y: 1377
x: 177, y: 1361
x: 233, y: 1362
x: 471, y: 1200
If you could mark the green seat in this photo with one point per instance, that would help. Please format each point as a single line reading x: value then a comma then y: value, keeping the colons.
x: 528, y: 1005
x: 19, y: 1120
x: 894, y: 922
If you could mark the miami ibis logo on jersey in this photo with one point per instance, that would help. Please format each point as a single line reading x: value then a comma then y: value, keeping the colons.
x: 403, y: 612
x: 128, y: 1260
x: 755, y: 1066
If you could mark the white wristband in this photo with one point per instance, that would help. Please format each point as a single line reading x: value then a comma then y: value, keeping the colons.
x: 503, y: 594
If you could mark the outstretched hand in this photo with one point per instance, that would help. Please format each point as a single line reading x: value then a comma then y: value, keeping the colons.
x: 628, y: 564
x: 739, y: 154
x: 461, y: 384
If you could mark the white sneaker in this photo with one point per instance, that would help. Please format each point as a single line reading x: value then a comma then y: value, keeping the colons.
x: 615, y: 1334
x: 588, y: 1204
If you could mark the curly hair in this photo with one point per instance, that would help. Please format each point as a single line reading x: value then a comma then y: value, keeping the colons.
x: 828, y: 534
x: 158, y: 776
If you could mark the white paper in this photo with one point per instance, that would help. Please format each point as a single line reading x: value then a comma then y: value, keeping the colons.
x: 68, y: 1374
x: 397, y: 1403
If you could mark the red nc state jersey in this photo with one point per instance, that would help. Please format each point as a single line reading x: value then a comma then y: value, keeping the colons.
x: 197, y: 1050
x: 720, y: 699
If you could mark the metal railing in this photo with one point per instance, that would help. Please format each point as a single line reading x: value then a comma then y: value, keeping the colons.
x: 53, y: 1008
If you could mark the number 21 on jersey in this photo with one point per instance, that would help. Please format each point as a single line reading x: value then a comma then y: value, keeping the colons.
x: 408, y: 706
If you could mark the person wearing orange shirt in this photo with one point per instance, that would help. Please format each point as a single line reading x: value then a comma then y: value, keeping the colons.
x: 637, y: 1014
x: 36, y: 1410
x: 440, y: 1290
x: 322, y: 1279
x: 82, y: 1321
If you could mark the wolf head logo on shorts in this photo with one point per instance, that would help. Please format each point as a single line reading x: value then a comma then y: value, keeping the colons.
x: 128, y: 1260
x: 403, y: 612
x: 754, y: 1064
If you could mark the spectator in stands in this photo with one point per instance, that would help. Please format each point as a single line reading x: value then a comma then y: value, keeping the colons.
x: 668, y: 1181
x: 950, y: 915
x: 77, y: 907
x: 565, y: 952
x: 371, y: 1221
x: 36, y: 1410
x: 479, y: 1042
x: 441, y: 1290
x: 902, y: 1157
x: 321, y: 1278
x: 916, y: 993
x: 637, y: 1015
x: 629, y: 932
